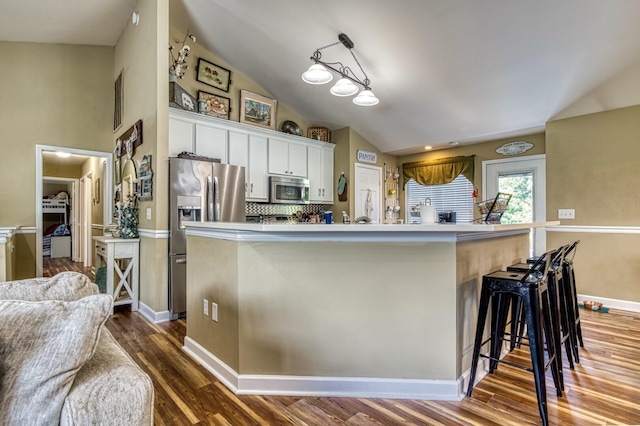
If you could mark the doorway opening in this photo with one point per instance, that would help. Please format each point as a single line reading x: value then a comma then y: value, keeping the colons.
x: 84, y: 201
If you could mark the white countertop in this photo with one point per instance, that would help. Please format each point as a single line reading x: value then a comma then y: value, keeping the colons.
x: 241, y: 231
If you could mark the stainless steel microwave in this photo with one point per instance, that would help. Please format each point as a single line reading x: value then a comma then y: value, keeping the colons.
x: 288, y: 190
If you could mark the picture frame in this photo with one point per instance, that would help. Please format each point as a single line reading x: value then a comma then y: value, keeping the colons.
x: 215, y: 106
x: 257, y: 110
x: 96, y: 191
x: 145, y: 179
x: 117, y: 171
x: 213, y: 75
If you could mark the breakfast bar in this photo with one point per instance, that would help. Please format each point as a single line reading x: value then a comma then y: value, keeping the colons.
x: 383, y: 311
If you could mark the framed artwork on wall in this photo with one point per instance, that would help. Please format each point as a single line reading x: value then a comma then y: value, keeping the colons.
x: 213, y: 75
x: 215, y: 106
x: 117, y: 170
x: 257, y: 110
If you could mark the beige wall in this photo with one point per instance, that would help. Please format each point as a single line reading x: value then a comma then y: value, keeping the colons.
x: 61, y: 170
x: 326, y: 309
x: 483, y: 151
x: 141, y: 53
x: 58, y: 95
x: 239, y: 81
x: 94, y: 166
x: 348, y: 142
x: 592, y: 167
x: 475, y: 259
x: 51, y: 95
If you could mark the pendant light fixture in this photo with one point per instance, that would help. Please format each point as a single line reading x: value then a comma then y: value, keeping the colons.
x: 347, y: 85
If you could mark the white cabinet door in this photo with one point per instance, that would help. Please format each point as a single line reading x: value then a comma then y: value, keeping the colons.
x: 239, y: 154
x: 320, y: 173
x: 257, y: 170
x: 327, y: 174
x: 278, y: 157
x: 297, y: 159
x: 315, y: 170
x: 211, y: 141
x: 181, y: 136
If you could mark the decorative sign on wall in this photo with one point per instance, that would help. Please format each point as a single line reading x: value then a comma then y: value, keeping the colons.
x: 513, y: 148
x: 367, y: 156
x: 145, y: 179
x: 129, y: 140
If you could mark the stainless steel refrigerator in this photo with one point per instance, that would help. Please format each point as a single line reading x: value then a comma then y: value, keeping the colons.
x: 198, y: 191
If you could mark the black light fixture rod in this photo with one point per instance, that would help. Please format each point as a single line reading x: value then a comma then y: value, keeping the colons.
x: 343, y: 73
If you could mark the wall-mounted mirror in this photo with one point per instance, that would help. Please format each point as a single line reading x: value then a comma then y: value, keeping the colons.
x: 129, y: 178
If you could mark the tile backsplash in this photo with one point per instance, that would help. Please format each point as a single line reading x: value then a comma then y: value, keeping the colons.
x: 255, y: 209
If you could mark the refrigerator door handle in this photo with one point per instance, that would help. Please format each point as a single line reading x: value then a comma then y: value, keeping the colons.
x: 216, y: 199
x: 210, y: 190
x: 181, y: 261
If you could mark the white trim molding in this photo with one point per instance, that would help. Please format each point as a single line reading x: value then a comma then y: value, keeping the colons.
x: 350, y: 387
x: 153, y: 316
x: 153, y: 233
x: 623, y: 305
x: 596, y: 229
x: 25, y: 230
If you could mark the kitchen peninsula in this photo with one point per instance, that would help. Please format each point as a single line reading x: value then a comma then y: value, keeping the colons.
x: 382, y: 311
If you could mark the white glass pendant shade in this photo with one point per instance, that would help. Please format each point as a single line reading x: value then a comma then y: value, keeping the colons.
x: 344, y: 87
x: 317, y: 74
x: 366, y: 98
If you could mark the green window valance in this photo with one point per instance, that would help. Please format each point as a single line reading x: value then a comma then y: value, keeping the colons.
x: 438, y: 172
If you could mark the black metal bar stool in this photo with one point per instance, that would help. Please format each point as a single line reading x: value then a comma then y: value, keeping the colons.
x: 569, y: 278
x: 570, y: 298
x: 503, y: 288
x: 558, y: 307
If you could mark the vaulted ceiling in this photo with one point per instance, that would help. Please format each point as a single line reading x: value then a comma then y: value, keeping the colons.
x: 444, y: 70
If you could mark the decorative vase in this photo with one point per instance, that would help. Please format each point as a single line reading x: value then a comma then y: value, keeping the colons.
x: 129, y: 223
x: 173, y: 78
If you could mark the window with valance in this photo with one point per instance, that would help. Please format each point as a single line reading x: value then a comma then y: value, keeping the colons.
x: 439, y: 172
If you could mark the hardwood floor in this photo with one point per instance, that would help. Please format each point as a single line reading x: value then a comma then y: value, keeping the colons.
x: 603, y: 389
x: 52, y: 266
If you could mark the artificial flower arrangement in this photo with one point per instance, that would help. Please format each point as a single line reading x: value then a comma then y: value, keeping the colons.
x: 127, y: 213
x: 178, y: 64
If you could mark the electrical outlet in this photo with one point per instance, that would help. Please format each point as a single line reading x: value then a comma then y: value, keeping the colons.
x: 148, y: 213
x: 205, y: 307
x: 214, y: 311
x: 566, y: 214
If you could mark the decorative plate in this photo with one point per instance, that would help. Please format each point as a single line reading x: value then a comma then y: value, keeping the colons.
x: 291, y: 127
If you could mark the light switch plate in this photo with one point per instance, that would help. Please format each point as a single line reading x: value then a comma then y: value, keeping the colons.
x: 148, y: 213
x: 566, y: 214
x: 214, y: 311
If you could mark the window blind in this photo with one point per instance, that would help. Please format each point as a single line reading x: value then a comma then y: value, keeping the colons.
x: 454, y: 196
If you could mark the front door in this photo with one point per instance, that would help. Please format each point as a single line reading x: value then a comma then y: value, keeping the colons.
x: 525, y: 179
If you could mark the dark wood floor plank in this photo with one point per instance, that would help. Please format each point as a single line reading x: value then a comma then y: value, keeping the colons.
x: 603, y: 389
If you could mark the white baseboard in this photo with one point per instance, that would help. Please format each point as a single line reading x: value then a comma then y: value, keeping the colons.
x: 351, y: 387
x: 624, y: 305
x: 153, y: 316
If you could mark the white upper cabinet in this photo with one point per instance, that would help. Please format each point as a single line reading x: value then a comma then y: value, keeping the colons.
x: 181, y: 136
x: 250, y: 151
x: 320, y: 169
x: 262, y: 152
x: 211, y: 141
x: 258, y: 180
x: 287, y: 158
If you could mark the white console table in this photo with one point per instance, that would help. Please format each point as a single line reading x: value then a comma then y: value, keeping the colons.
x: 121, y: 257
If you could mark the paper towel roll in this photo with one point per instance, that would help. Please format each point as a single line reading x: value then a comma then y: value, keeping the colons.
x: 427, y: 214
